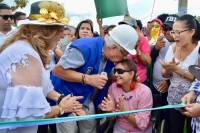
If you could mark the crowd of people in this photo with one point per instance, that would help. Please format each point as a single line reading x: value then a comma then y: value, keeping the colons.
x: 49, y: 69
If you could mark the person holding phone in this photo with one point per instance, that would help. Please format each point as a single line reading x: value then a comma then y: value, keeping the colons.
x: 158, y: 52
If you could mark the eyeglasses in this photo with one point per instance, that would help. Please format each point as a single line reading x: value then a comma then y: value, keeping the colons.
x: 5, y: 17
x: 166, y: 28
x: 120, y: 71
x: 177, y: 32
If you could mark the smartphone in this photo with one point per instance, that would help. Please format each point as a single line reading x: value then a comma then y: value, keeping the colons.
x: 160, y: 37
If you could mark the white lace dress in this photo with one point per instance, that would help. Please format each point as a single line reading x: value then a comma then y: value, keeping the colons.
x: 24, y: 84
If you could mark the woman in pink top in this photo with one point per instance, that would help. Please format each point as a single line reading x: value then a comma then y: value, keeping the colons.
x: 142, y: 58
x: 128, y: 94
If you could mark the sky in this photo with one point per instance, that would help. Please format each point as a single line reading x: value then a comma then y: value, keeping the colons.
x: 78, y: 10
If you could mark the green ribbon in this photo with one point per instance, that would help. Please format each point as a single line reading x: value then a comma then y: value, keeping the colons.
x: 37, y: 122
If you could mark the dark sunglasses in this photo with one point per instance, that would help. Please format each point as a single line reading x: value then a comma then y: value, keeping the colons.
x: 120, y: 71
x: 5, y: 17
x: 166, y: 28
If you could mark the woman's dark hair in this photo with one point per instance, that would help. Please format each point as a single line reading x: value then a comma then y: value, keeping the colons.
x: 79, y: 26
x: 139, y: 23
x: 191, y: 23
x: 130, y: 65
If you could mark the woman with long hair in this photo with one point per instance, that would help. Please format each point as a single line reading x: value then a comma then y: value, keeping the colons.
x: 24, y: 79
x: 84, y: 29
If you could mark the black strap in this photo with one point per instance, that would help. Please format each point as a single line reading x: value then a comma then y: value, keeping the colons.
x: 60, y: 98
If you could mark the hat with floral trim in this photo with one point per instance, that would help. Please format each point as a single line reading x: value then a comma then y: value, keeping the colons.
x: 46, y: 13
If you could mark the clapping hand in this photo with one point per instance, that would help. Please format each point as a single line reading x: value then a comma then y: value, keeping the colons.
x: 107, y: 104
x: 170, y: 66
x: 120, y: 105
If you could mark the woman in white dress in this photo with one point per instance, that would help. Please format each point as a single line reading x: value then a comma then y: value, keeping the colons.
x: 24, y: 79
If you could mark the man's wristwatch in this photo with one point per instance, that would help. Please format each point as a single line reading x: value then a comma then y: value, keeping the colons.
x: 61, y: 110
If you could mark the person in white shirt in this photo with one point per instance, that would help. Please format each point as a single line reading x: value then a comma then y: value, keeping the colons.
x: 24, y: 75
x: 6, y: 17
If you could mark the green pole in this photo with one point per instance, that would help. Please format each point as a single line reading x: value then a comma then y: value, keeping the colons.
x: 182, y: 7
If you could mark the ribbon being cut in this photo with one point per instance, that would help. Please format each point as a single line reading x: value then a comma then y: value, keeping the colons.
x: 16, y: 124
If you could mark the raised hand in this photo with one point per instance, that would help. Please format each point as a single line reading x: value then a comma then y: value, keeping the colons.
x: 160, y: 43
x: 99, y: 21
x: 107, y: 104
x: 170, y: 66
x: 120, y: 105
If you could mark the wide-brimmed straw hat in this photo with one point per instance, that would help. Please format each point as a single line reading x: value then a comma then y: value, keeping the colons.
x: 46, y: 13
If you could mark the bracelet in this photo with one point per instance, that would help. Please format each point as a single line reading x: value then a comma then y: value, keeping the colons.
x: 60, y: 98
x: 184, y: 74
x: 61, y: 110
x: 126, y: 117
x: 83, y: 79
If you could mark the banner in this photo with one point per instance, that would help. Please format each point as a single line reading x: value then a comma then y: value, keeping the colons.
x: 110, y: 8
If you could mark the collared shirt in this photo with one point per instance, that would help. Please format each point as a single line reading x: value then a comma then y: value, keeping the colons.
x: 195, y: 86
x: 3, y: 37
